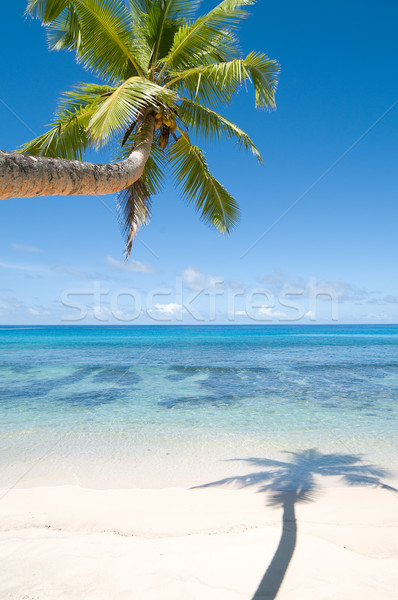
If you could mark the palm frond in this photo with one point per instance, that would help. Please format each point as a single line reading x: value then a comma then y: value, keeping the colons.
x: 65, y: 31
x: 134, y: 203
x: 193, y: 37
x: 175, y: 9
x: 264, y: 75
x: 69, y: 135
x: 160, y: 29
x: 211, y: 84
x: 222, y: 45
x: 155, y: 170
x: 108, y: 46
x: 46, y: 10
x: 104, y: 27
x: 134, y: 210
x: 211, y: 125
x: 136, y: 7
x: 220, y: 81
x: 125, y: 104
x: 216, y: 206
x: 84, y: 94
x: 179, y: 9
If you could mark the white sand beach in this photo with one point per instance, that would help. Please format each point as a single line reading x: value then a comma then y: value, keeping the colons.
x: 68, y: 542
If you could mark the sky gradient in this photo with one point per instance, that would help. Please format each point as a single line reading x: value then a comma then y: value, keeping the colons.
x: 318, y: 218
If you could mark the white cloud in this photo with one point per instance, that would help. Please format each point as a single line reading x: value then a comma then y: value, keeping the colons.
x: 269, y: 311
x: 12, y: 306
x: 265, y: 310
x: 322, y: 289
x: 196, y: 280
x: 133, y: 266
x: 26, y: 248
x: 168, y: 310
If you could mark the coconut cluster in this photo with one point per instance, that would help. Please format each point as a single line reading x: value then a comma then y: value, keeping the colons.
x: 167, y: 124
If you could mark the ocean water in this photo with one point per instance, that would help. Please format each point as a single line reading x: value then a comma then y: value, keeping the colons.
x: 157, y: 406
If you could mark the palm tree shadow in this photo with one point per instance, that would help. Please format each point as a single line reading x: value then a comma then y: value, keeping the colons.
x: 290, y: 482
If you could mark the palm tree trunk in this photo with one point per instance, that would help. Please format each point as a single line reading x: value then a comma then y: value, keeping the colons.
x: 23, y: 176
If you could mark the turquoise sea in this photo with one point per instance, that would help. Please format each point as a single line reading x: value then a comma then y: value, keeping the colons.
x: 157, y: 406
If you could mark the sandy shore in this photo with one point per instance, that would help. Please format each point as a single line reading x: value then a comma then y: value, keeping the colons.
x: 68, y: 542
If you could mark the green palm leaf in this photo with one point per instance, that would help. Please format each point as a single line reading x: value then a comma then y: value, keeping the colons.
x: 216, y: 206
x: 212, y: 125
x: 65, y: 31
x: 134, y: 211
x: 176, y: 9
x: 69, y: 135
x: 225, y: 78
x: 193, y: 38
x: 212, y: 84
x: 134, y: 203
x: 125, y: 104
x: 46, y: 10
x: 160, y: 28
x: 179, y: 9
x: 264, y: 74
x: 106, y: 46
x: 155, y: 24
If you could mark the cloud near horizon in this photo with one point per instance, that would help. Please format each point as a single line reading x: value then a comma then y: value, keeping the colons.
x: 166, y: 311
x: 195, y: 280
x: 335, y: 288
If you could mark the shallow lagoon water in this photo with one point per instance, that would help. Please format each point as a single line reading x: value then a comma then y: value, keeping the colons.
x: 157, y: 406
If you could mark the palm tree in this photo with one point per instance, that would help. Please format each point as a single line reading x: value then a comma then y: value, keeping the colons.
x: 162, y: 74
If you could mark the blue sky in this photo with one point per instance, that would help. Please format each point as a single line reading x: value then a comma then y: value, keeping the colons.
x: 338, y: 81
